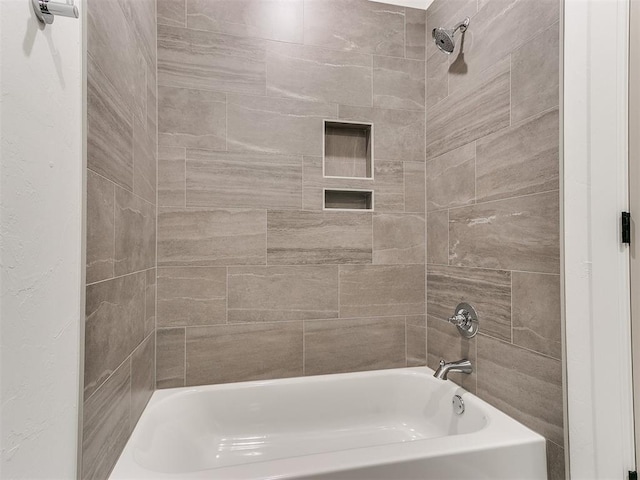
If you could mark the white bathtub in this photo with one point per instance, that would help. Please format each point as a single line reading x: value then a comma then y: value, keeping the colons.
x: 389, y: 424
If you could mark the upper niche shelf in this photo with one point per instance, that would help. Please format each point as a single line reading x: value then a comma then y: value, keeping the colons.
x: 348, y: 149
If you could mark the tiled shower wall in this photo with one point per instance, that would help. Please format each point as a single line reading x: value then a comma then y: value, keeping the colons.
x: 492, y: 150
x: 119, y: 364
x: 255, y: 280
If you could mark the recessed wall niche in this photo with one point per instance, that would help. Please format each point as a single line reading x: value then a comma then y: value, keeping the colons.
x: 359, y: 200
x: 348, y: 149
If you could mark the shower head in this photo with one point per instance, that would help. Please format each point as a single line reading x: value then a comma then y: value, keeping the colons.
x: 444, y: 38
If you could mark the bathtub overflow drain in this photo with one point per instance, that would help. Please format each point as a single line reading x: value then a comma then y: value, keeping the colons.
x: 458, y: 405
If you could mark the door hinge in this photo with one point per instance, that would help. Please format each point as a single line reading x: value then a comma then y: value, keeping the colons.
x: 626, y: 227
x: 633, y: 475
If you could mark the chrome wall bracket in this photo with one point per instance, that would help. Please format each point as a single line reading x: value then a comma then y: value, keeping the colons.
x: 466, y: 319
x: 46, y: 10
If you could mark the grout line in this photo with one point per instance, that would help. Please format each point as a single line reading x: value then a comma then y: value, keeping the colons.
x: 119, y: 276
x: 510, y: 89
x: 487, y: 202
x: 184, y: 383
x: 518, y: 346
x: 511, y: 304
x: 475, y: 172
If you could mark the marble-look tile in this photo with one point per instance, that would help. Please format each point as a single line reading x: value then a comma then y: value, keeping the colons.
x: 276, y: 125
x: 415, y: 29
x: 135, y: 233
x: 172, y: 12
x: 190, y: 296
x: 471, y: 113
x: 268, y: 294
x: 414, y: 187
x: 451, y: 178
x: 114, y: 326
x: 210, y: 61
x: 381, y: 290
x: 535, y: 75
x: 109, y: 129
x: 416, y: 341
x: 438, y: 237
x: 388, y: 185
x: 210, y: 236
x: 170, y: 358
x: 398, y: 239
x: 398, y: 83
x: 399, y: 134
x: 523, y: 384
x: 337, y: 346
x: 139, y: 100
x: 142, y: 377
x: 489, y: 291
x: 269, y: 19
x: 519, y: 160
x: 555, y: 462
x: 379, y: 29
x: 311, y: 73
x: 437, y: 78
x: 537, y: 313
x: 249, y: 180
x: 444, y: 342
x: 141, y: 15
x: 513, y: 234
x: 144, y: 163
x: 152, y: 103
x: 499, y: 28
x: 100, y: 228
x: 105, y: 425
x: 150, y: 301
x: 236, y: 353
x: 300, y: 238
x: 171, y: 176
x: 446, y: 13
x: 191, y: 118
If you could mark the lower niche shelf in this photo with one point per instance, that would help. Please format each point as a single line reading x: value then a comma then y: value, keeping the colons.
x: 359, y: 200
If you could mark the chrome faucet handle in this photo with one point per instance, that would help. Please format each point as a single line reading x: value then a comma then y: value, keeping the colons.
x: 466, y: 319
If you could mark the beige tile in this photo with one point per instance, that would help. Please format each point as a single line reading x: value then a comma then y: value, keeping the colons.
x: 251, y: 180
x: 470, y: 113
x: 170, y: 358
x: 537, y: 313
x: 143, y: 371
x: 109, y: 129
x: 555, y: 462
x: 381, y: 290
x: 415, y: 29
x: 519, y: 160
x: 100, y: 228
x: 171, y: 176
x: 514, y: 234
x: 266, y: 294
x: 270, y: 19
x: 236, y: 353
x: 437, y: 77
x: 276, y: 125
x: 106, y: 425
x: 318, y: 74
x: 114, y: 326
x: 209, y: 236
x: 398, y: 239
x: 150, y: 301
x: 398, y: 83
x: 141, y: 15
x: 438, y: 237
x: 379, y: 29
x: 414, y: 187
x: 523, y: 384
x: 535, y: 75
x: 299, y: 238
x: 416, y: 345
x: 172, y: 12
x: 210, y: 61
x: 144, y: 162
x: 135, y: 233
x: 488, y: 291
x: 336, y: 346
x: 444, y: 342
x: 451, y: 178
x: 189, y: 296
x: 191, y: 118
x: 398, y: 134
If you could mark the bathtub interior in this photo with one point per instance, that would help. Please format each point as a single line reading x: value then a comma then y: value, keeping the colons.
x: 212, y: 427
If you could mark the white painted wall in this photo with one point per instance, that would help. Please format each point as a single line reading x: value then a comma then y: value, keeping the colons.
x: 598, y: 341
x: 423, y: 4
x: 41, y: 275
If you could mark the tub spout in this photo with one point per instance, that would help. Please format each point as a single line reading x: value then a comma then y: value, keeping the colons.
x: 462, y: 366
